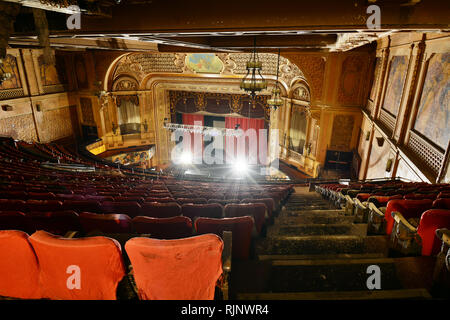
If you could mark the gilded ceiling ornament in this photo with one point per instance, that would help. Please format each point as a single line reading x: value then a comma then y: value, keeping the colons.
x: 236, y: 103
x: 200, y: 101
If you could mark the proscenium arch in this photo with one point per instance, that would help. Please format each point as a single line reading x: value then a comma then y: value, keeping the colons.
x: 153, y: 88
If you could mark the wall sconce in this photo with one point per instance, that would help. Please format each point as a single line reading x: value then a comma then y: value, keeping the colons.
x: 367, y: 135
x: 114, y: 128
x: 389, y: 165
x: 380, y: 141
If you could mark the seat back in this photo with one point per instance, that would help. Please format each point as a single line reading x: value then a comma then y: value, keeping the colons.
x: 160, y: 210
x: 270, y: 204
x: 154, y: 199
x: 224, y: 202
x: 13, y: 205
x: 78, y: 269
x: 44, y: 205
x: 211, y: 210
x: 430, y: 221
x: 15, y: 220
x: 55, y: 222
x: 106, y: 223
x: 442, y: 203
x: 181, y: 269
x: 408, y: 208
x: 241, y: 228
x: 19, y: 269
x: 82, y: 205
x: 191, y: 200
x: 130, y: 208
x: 255, y: 210
x: 163, y: 228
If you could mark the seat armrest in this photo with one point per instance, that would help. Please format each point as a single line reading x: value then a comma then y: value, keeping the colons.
x: 227, y: 237
x: 378, y: 211
x: 227, y: 250
x: 70, y: 234
x: 444, y: 235
x: 362, y: 205
x: 400, y: 219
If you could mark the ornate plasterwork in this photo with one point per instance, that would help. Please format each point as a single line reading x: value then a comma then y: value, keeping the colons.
x: 139, y: 65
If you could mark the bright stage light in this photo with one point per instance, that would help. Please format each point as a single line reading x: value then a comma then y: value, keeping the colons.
x: 241, y: 166
x: 186, y: 158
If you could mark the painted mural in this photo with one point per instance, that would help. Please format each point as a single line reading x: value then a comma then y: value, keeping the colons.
x: 53, y: 74
x: 396, y: 82
x: 433, y: 116
x: 204, y: 63
x: 9, y: 65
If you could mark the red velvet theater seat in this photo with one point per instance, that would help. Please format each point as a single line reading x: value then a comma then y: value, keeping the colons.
x: 153, y: 199
x: 430, y: 221
x: 82, y: 205
x: 19, y: 270
x: 181, y: 269
x: 15, y: 220
x: 106, y: 223
x: 192, y: 200
x: 41, y: 195
x: 130, y: 208
x: 44, y: 205
x: 408, y: 208
x: 255, y: 210
x: 241, y: 228
x: 163, y: 228
x: 211, y: 210
x: 442, y: 203
x: 160, y: 210
x: 96, y: 262
x: 13, y: 205
x: 270, y: 204
x: 224, y: 202
x: 55, y: 222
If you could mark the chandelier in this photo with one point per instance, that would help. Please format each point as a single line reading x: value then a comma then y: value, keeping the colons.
x: 253, y: 81
x: 275, y: 101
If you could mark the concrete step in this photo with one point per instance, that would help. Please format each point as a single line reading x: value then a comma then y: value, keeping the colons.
x: 313, y: 219
x: 332, y: 275
x: 414, y: 294
x: 322, y: 256
x: 330, y: 244
x: 311, y: 212
x: 317, y: 229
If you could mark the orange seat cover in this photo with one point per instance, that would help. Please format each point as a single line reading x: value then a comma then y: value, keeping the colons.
x: 181, y: 269
x: 19, y: 270
x: 99, y: 260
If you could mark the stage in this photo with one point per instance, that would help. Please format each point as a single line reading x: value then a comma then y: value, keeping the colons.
x: 250, y: 173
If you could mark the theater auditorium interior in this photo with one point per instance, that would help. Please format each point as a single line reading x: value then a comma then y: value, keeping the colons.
x: 244, y: 150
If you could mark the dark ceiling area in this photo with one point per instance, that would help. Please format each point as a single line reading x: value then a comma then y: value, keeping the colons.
x: 231, y: 26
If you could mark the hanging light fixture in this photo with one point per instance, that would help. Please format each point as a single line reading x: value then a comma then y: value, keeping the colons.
x: 275, y: 101
x: 253, y: 81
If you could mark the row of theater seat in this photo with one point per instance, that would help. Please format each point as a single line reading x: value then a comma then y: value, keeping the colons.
x: 45, y: 266
x: 409, y: 213
x: 257, y: 208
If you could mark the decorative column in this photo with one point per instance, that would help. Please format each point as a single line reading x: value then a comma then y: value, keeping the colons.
x: 287, y: 125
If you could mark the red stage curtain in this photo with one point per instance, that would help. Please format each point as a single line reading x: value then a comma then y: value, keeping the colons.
x: 231, y: 143
x: 191, y: 119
